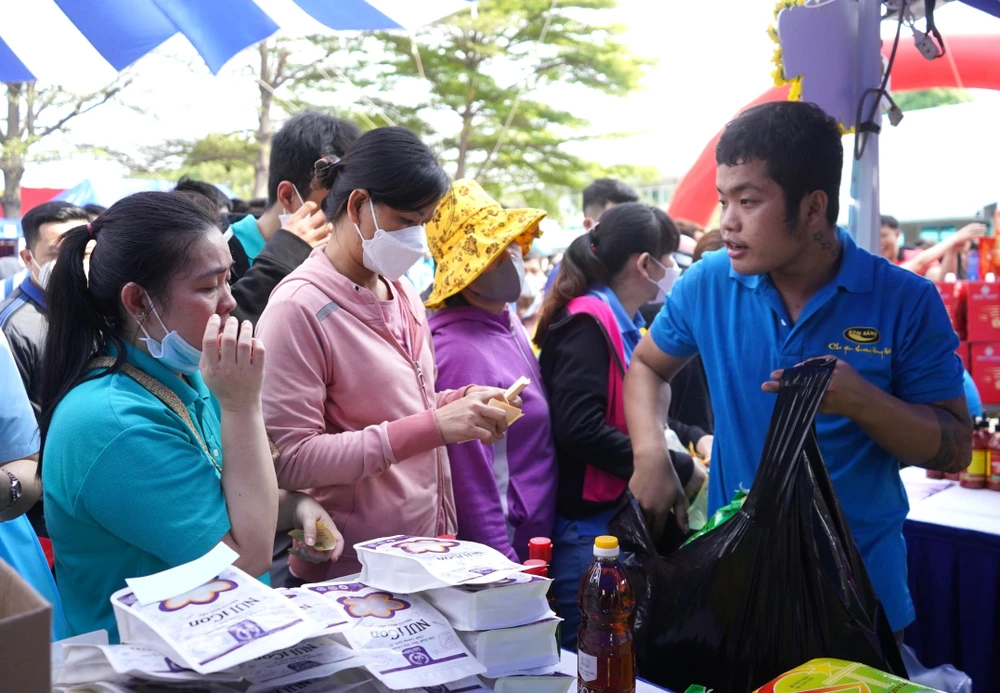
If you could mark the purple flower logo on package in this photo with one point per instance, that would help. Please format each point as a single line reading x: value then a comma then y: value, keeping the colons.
x: 246, y: 631
x: 375, y: 605
x: 303, y: 666
x: 206, y: 594
x: 422, y: 546
x: 417, y: 656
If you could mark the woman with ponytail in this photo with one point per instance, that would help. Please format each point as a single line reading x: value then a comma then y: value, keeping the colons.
x: 351, y: 403
x: 153, y: 449
x: 589, y: 326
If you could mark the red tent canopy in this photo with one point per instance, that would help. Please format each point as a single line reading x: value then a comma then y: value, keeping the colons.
x: 32, y: 197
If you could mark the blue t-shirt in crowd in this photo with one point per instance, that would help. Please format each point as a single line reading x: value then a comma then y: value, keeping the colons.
x: 248, y: 234
x: 19, y: 546
x: 129, y: 491
x: 887, y: 323
x: 972, y: 395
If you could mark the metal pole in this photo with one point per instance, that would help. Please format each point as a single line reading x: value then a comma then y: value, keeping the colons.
x: 864, y: 214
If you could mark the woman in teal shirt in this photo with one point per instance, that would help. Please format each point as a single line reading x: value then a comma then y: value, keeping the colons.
x: 152, y: 461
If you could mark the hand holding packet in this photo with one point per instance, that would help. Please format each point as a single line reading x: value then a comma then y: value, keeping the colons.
x: 404, y: 564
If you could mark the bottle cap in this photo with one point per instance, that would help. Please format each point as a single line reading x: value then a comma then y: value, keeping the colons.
x: 606, y: 547
x: 451, y: 537
x: 540, y: 548
x: 537, y: 567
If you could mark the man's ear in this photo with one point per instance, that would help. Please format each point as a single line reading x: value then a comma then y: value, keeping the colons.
x: 287, y: 198
x: 816, y: 203
x: 26, y: 257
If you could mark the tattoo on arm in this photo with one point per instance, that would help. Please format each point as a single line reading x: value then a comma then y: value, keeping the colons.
x: 955, y: 450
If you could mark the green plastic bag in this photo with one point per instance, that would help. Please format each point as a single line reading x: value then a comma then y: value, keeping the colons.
x: 721, y: 516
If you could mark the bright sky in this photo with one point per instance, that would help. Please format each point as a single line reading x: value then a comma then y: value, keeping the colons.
x: 714, y: 57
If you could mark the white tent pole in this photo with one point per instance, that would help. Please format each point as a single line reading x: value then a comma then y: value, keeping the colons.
x: 864, y: 216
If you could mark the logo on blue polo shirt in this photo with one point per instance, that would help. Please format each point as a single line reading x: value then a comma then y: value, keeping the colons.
x: 862, y: 335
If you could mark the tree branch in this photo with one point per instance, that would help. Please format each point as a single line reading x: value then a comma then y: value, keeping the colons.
x: 80, y: 108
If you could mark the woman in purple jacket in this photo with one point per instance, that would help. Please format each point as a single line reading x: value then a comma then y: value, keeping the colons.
x: 504, y: 493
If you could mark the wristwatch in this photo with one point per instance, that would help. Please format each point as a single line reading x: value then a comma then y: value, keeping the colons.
x: 15, y: 491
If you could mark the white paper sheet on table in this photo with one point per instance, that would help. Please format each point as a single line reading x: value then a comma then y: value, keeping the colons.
x: 184, y: 578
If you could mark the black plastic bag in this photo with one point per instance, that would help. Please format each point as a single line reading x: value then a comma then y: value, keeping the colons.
x: 777, y: 585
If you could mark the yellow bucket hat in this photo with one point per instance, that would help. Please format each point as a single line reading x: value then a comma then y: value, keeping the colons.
x: 468, y: 231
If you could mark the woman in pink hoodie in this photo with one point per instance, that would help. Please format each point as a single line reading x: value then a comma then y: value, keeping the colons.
x: 349, y: 394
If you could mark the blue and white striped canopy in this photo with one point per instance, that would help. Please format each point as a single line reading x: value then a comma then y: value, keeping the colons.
x: 56, y: 40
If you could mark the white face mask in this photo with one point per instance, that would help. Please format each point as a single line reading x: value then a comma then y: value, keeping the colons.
x: 665, y: 284
x: 43, y: 272
x: 392, y: 254
x: 172, y: 351
x: 283, y: 218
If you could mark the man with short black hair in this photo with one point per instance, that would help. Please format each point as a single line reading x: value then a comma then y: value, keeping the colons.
x: 602, y: 195
x: 267, y: 249
x: 791, y: 286
x: 191, y: 187
x: 23, y: 314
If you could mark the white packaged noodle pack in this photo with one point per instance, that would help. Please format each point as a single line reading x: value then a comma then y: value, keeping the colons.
x: 310, y: 659
x: 530, y: 649
x: 224, y: 622
x: 517, y: 600
x: 404, y: 564
x: 327, y: 614
x: 551, y: 683
x: 136, y: 686
x: 114, y: 663
x: 407, y: 642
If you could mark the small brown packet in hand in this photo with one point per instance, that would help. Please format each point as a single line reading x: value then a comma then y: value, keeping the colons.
x: 512, y: 412
x: 325, y: 541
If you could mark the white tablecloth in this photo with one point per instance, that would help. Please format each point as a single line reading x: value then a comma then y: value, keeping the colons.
x: 943, y: 502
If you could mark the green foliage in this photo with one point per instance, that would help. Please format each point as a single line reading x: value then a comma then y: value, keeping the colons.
x: 470, y: 74
x: 930, y: 98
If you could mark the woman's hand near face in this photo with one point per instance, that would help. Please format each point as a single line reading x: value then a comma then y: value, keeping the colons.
x: 232, y: 364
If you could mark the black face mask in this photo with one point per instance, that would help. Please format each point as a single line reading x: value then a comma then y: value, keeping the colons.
x: 502, y: 283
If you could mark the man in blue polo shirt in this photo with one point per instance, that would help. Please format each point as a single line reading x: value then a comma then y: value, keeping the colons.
x: 788, y: 287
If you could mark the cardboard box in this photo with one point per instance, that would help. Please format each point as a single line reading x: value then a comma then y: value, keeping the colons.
x: 965, y: 353
x: 25, y: 632
x: 986, y: 371
x: 954, y: 297
x: 983, y: 312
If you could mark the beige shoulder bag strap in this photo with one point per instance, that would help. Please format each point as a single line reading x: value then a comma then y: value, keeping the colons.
x: 162, y: 393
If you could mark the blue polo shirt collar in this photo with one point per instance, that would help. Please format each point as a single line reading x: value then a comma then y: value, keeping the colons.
x: 856, y: 273
x: 188, y: 391
x: 625, y: 323
x: 33, y: 291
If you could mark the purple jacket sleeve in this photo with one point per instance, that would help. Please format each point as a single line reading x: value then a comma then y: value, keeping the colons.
x: 477, y: 496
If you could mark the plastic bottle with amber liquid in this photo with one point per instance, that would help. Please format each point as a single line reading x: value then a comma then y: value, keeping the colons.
x: 606, y: 648
x: 974, y: 476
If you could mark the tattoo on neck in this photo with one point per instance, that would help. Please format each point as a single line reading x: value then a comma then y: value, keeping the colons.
x: 826, y: 243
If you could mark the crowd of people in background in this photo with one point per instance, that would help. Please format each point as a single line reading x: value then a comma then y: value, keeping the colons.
x: 187, y: 369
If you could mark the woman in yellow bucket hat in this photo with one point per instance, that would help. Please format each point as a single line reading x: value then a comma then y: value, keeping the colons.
x: 505, y: 492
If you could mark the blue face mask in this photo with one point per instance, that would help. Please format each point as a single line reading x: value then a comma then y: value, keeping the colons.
x: 172, y: 351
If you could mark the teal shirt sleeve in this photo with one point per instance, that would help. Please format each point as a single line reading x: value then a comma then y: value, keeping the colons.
x: 151, y: 487
x: 672, y: 329
x: 925, y: 367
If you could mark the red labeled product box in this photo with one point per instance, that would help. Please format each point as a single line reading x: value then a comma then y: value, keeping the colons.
x: 983, y: 310
x: 966, y: 355
x: 986, y: 371
x: 954, y: 297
